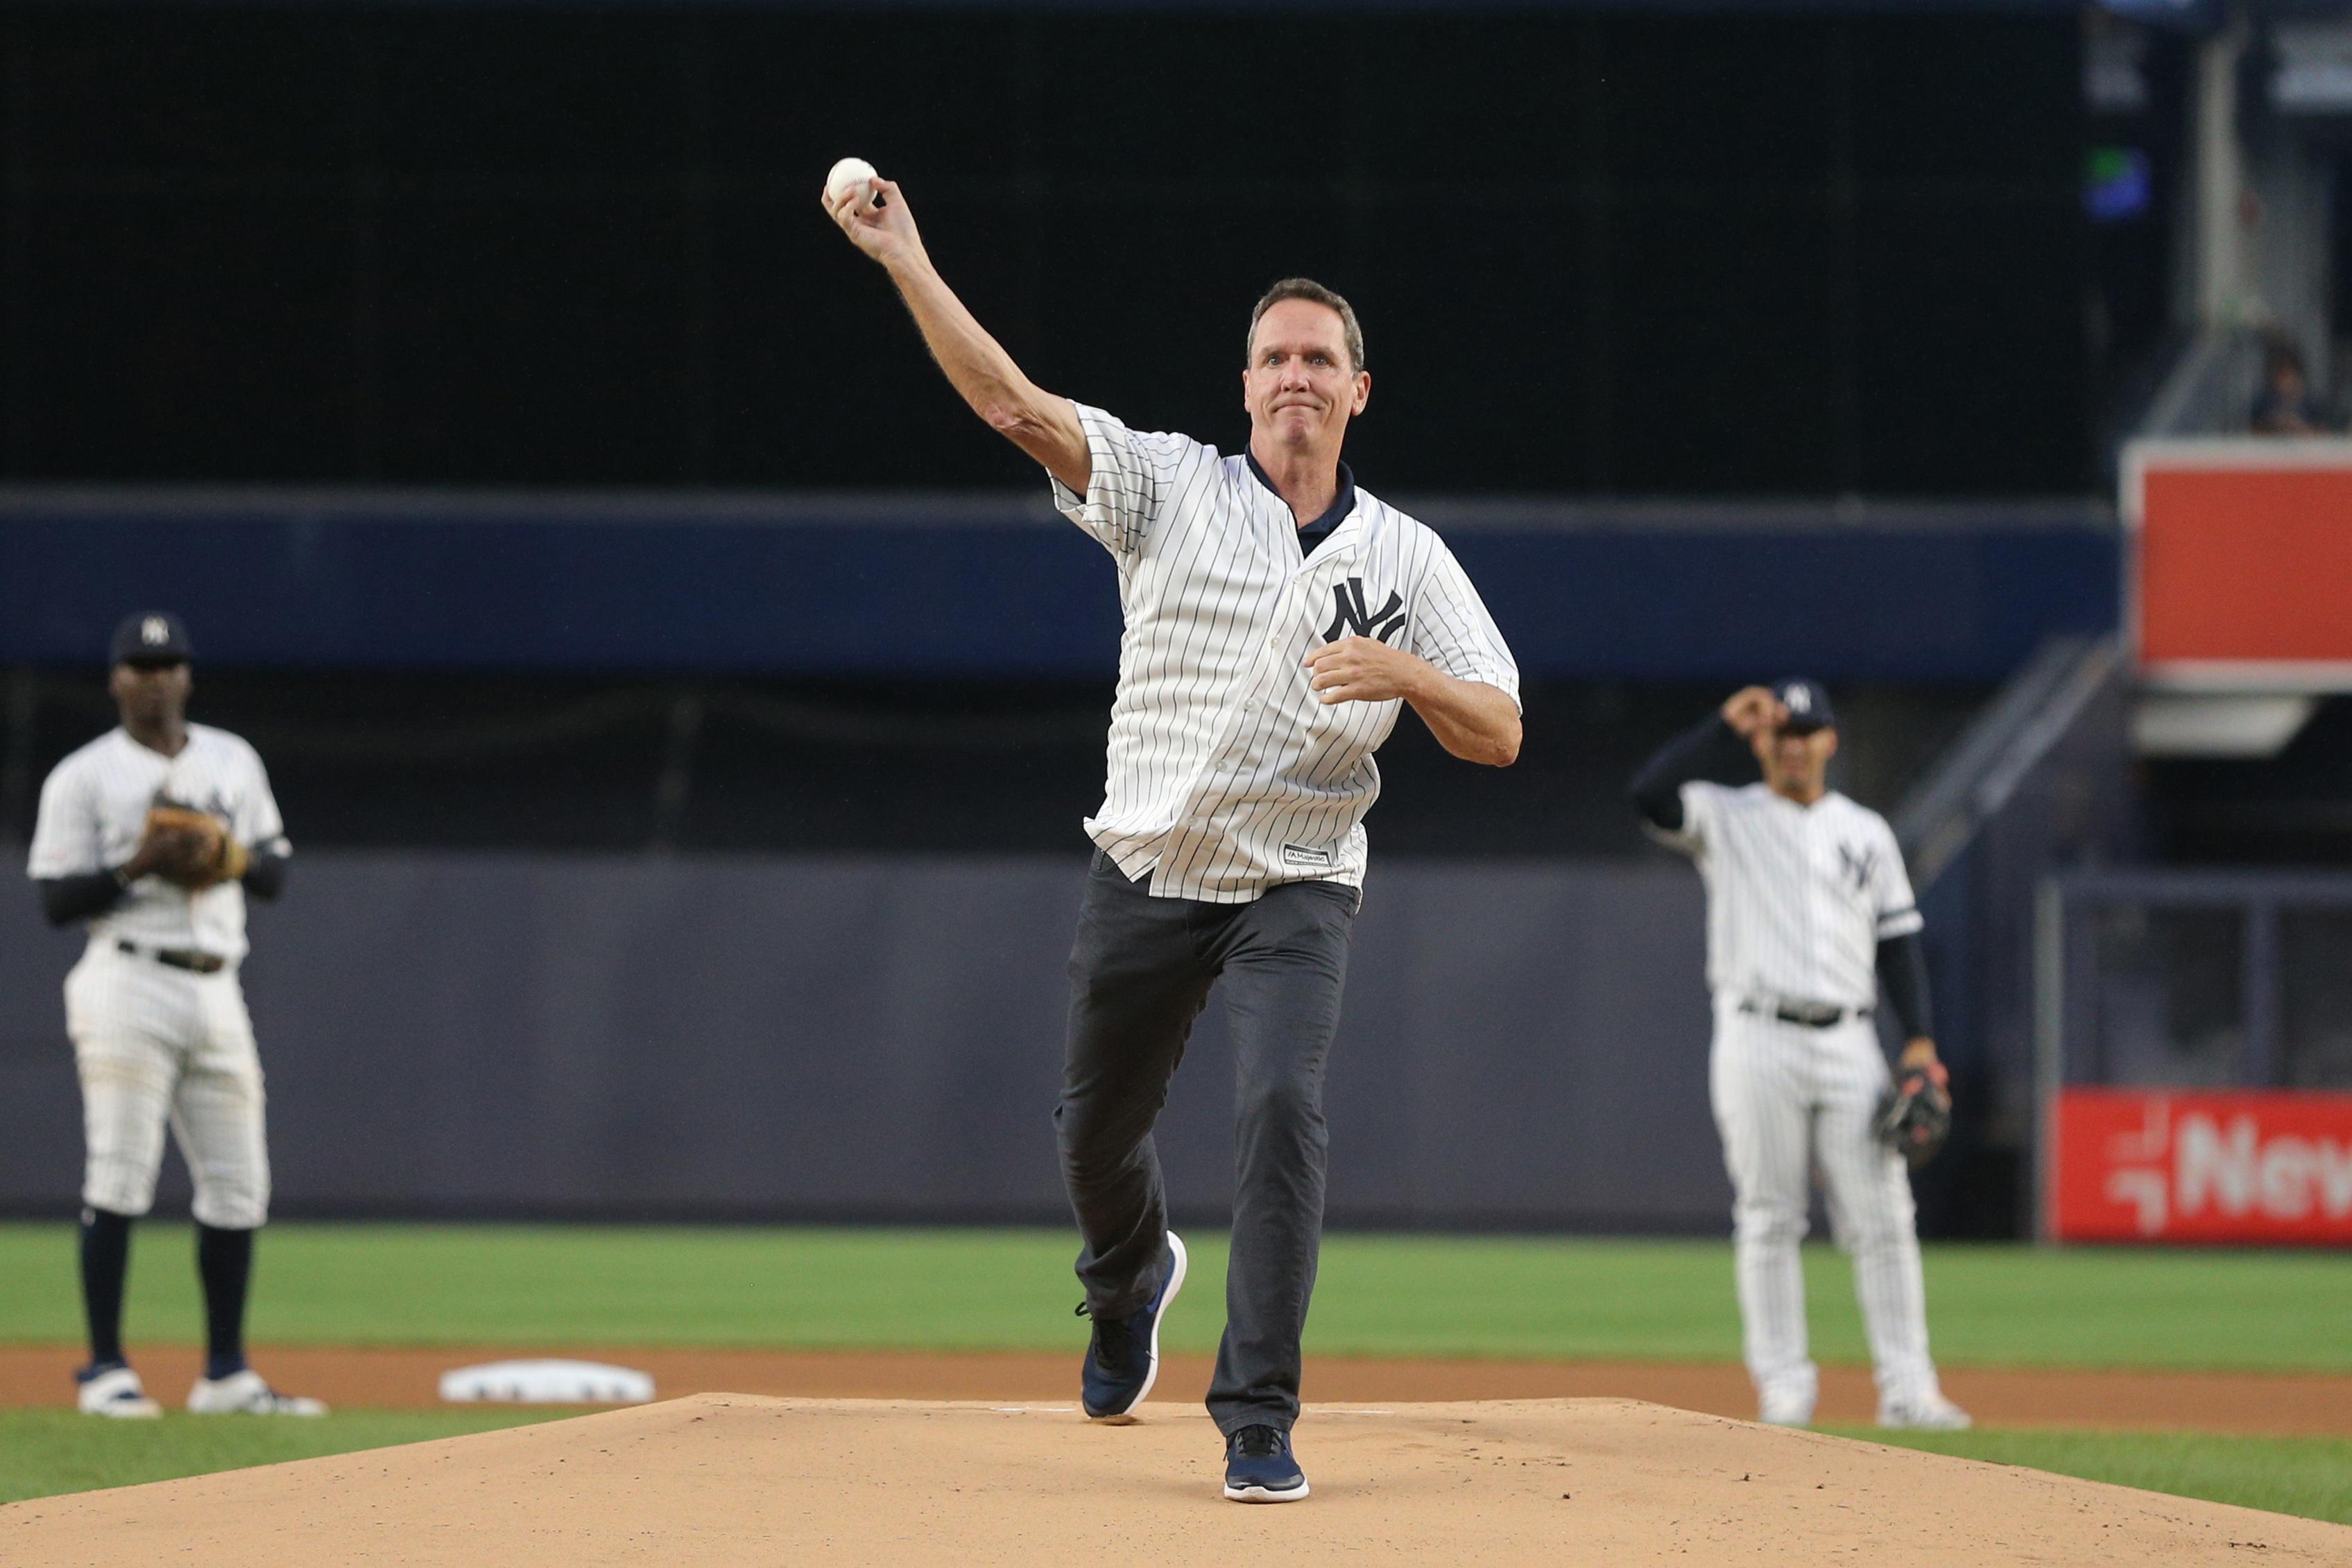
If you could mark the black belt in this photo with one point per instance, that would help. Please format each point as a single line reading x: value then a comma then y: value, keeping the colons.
x: 187, y: 958
x: 1812, y: 1015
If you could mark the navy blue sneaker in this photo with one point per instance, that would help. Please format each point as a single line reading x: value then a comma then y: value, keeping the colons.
x: 1123, y: 1361
x: 1260, y: 1467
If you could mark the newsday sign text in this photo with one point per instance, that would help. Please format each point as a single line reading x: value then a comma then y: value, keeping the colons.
x: 2131, y: 1165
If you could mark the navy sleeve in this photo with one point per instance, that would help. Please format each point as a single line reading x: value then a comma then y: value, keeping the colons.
x: 66, y: 899
x: 1657, y: 788
x: 1903, y: 982
x: 265, y: 874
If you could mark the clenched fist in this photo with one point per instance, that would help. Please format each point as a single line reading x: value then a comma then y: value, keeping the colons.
x: 1359, y: 670
x: 1751, y: 708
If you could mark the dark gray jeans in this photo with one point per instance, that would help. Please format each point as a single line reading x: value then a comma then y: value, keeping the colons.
x: 1139, y: 974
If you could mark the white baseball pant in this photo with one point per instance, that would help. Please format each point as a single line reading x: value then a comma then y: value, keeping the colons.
x: 1788, y: 1097
x: 158, y: 1046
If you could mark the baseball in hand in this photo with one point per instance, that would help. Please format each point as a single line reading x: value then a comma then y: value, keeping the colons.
x: 851, y: 173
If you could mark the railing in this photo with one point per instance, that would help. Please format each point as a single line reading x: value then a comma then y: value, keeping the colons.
x: 2195, y: 978
x: 2211, y: 388
x: 2193, y: 1045
x: 2040, y: 779
x: 1978, y: 775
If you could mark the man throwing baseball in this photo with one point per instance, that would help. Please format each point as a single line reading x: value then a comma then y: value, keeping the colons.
x: 1277, y: 619
x: 152, y: 834
x: 1810, y: 922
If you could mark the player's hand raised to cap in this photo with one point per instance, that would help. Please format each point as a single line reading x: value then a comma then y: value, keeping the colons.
x: 1751, y: 708
x: 884, y: 228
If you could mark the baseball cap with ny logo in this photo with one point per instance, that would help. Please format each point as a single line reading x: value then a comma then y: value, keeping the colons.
x: 151, y: 637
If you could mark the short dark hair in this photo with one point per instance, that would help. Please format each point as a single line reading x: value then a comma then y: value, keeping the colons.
x: 1308, y: 288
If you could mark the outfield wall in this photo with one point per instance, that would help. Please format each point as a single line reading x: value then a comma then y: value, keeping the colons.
x: 995, y: 585
x: 1523, y: 1044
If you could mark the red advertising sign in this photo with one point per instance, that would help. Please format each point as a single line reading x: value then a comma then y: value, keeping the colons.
x: 2140, y: 1164
x: 2244, y: 562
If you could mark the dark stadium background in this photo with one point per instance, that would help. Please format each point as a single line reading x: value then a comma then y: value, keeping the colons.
x: 1818, y: 290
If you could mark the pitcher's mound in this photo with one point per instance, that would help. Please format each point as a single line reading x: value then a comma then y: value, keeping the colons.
x: 738, y: 1479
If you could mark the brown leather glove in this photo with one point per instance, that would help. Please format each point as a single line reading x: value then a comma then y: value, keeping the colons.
x: 204, y: 853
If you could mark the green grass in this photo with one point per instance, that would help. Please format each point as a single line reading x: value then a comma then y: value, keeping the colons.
x: 2308, y: 1476
x: 43, y: 1452
x: 547, y: 1287
x: 1378, y: 1295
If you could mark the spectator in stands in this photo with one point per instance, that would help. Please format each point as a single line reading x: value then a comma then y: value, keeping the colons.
x: 2284, y: 406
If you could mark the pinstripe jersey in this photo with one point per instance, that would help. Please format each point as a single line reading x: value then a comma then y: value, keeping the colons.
x: 1227, y: 776
x: 94, y: 811
x: 1798, y: 897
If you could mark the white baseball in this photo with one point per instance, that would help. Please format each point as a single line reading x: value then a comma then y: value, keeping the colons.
x: 850, y: 173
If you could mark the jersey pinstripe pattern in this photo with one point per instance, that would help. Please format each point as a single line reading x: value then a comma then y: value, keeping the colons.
x: 155, y: 1046
x: 1787, y: 1100
x: 1798, y: 897
x: 1225, y: 775
x: 94, y: 809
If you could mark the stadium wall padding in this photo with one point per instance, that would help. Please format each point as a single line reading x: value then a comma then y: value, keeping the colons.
x: 1523, y: 1045
x: 996, y: 586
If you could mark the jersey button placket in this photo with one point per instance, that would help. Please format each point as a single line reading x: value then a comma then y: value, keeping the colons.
x: 1226, y: 751
x: 1814, y: 986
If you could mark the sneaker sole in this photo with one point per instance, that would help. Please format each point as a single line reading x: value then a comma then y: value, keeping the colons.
x: 144, y: 1410
x: 1265, y: 1494
x: 1125, y: 1417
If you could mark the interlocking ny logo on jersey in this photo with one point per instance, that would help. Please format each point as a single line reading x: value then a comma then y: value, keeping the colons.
x: 1858, y: 866
x: 1351, y: 619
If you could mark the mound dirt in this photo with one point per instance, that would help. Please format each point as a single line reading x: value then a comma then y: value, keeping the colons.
x: 738, y: 1479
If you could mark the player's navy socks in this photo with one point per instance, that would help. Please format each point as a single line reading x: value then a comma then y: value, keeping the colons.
x: 105, y: 1264
x: 225, y: 1264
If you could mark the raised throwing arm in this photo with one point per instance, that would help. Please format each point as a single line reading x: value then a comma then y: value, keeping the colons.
x: 1040, y: 423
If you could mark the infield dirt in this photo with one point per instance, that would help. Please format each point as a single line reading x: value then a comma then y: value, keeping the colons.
x: 2281, y: 1404
x: 740, y: 1479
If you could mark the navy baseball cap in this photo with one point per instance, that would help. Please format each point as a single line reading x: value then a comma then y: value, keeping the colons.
x: 151, y: 637
x: 1808, y: 704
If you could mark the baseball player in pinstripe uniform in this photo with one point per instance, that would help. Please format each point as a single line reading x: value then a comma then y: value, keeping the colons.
x: 152, y: 834
x: 1810, y: 922
x: 1277, y: 619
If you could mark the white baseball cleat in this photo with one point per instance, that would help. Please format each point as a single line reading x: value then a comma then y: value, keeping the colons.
x: 116, y: 1392
x: 1786, y: 1413
x: 1923, y: 1413
x: 245, y: 1393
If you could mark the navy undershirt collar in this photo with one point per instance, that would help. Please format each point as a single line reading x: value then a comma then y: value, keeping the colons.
x: 1343, y: 502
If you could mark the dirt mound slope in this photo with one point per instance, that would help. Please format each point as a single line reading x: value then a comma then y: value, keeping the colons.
x: 740, y: 1479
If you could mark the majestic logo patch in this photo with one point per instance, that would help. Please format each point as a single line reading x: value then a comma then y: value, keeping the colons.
x: 1351, y: 619
x: 1304, y: 854
x: 1857, y: 866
